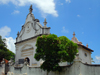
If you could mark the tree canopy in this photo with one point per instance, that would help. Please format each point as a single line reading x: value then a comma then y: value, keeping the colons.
x: 52, y: 50
x: 2, y: 41
x: 4, y: 52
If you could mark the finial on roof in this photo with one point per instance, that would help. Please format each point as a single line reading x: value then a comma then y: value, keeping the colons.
x: 45, y: 23
x: 18, y: 33
x: 87, y: 45
x: 30, y: 9
x: 73, y: 34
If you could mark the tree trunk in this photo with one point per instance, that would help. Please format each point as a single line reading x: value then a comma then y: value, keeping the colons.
x: 47, y: 72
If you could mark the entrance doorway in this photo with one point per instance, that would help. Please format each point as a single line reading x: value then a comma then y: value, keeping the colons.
x: 28, y: 60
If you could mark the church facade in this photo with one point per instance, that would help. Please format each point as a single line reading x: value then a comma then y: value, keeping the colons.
x: 26, y: 40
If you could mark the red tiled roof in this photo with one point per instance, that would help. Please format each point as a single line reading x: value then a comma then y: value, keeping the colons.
x: 85, y: 47
x: 6, y: 61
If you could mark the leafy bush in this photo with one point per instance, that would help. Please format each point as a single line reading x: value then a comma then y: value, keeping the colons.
x: 52, y: 50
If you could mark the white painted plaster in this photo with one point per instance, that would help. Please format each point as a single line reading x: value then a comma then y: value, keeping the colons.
x: 77, y: 68
x: 84, y: 58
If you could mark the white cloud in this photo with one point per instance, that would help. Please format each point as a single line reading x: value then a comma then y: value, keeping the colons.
x: 97, y: 57
x: 82, y: 32
x: 10, y: 44
x: 68, y: 1
x: 44, y: 15
x: 97, y: 60
x: 16, y: 12
x: 60, y: 3
x: 78, y: 15
x: 89, y: 8
x: 7, y: 1
x: 64, y: 30
x: 45, y: 6
x: 5, y: 31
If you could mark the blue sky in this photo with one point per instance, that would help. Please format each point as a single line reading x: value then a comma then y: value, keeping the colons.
x: 63, y: 16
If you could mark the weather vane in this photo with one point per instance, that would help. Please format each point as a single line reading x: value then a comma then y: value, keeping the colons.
x: 30, y: 9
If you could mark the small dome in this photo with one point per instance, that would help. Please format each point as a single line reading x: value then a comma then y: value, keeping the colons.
x: 75, y: 40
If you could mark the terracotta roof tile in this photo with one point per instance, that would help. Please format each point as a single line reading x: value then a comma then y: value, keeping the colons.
x: 85, y: 47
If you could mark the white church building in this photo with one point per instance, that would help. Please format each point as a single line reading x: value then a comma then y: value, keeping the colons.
x: 27, y: 37
x: 25, y: 50
x: 84, y: 51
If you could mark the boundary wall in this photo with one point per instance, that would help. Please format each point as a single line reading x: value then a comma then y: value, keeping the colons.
x: 77, y: 68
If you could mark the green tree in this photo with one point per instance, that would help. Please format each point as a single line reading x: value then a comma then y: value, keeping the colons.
x: 68, y: 49
x: 2, y: 41
x: 4, y: 52
x: 52, y: 50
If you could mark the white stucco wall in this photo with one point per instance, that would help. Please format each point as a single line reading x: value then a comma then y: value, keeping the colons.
x: 31, y: 28
x: 69, y: 70
x: 84, y: 58
x: 30, y: 32
x: 0, y: 70
x: 26, y: 45
x: 90, y: 69
x: 77, y: 68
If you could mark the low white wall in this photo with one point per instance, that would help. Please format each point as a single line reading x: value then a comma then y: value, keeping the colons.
x: 26, y: 70
x: 90, y: 69
x: 77, y: 68
x: 2, y: 69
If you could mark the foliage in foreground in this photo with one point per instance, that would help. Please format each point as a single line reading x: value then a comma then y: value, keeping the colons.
x: 52, y: 50
x: 4, y: 52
